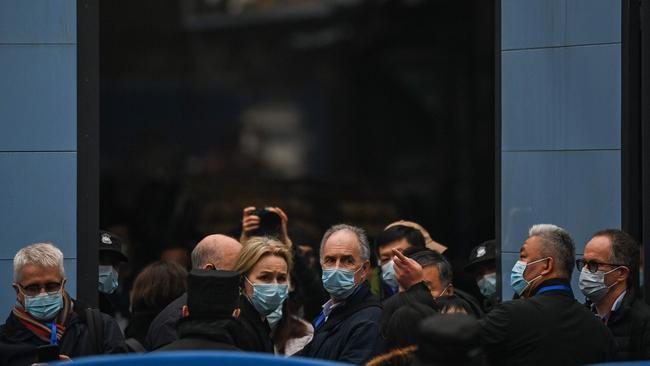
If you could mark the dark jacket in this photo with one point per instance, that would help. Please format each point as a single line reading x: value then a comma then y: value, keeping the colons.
x: 139, y: 325
x: 218, y: 334
x: 162, y: 330
x: 18, y: 345
x: 418, y: 293
x: 549, y: 328
x: 477, y: 310
x: 258, y: 332
x: 630, y: 325
x: 351, y: 333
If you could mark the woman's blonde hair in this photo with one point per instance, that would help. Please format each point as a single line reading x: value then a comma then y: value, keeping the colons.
x: 259, y: 247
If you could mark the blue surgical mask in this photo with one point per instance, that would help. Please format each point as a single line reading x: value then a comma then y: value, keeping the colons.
x: 388, y: 274
x: 592, y: 285
x: 488, y: 284
x: 267, y: 298
x: 45, y: 306
x: 274, y: 318
x: 339, y: 283
x: 517, y: 280
x: 107, y: 279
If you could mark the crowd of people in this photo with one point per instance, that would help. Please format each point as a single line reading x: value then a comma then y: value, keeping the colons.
x: 263, y: 293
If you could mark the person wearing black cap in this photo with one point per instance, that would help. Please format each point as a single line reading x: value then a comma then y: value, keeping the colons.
x: 482, y: 266
x: 449, y: 339
x: 110, y: 257
x: 210, y: 317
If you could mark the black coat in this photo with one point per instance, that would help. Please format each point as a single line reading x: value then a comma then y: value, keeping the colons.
x: 257, y: 330
x: 630, y: 325
x: 139, y: 325
x: 18, y: 345
x: 162, y: 330
x: 351, y: 333
x: 418, y: 293
x: 216, y: 335
x: 549, y: 328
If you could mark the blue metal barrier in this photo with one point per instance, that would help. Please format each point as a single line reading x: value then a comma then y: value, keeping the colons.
x: 197, y: 358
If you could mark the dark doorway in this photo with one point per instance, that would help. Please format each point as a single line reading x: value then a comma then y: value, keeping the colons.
x: 341, y: 111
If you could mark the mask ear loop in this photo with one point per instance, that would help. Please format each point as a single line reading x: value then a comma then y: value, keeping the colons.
x: 615, y: 282
x: 528, y: 287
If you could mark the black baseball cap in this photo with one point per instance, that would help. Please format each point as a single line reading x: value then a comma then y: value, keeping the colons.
x: 481, y: 254
x: 111, y: 243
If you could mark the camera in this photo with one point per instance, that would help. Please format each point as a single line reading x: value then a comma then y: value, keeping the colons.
x: 270, y: 224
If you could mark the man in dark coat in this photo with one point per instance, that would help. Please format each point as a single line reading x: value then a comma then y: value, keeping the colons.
x: 347, y: 330
x: 546, y: 325
x: 608, y: 279
x: 212, y: 252
x: 45, y: 315
x: 209, y: 318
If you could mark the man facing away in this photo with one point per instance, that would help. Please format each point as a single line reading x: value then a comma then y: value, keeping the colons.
x: 546, y: 326
x: 214, y: 252
x: 609, y: 273
x: 209, y: 318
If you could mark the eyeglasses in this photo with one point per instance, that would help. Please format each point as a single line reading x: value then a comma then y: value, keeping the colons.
x: 35, y: 289
x: 592, y: 266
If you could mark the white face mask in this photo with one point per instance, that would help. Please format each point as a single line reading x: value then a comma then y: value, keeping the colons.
x: 592, y: 285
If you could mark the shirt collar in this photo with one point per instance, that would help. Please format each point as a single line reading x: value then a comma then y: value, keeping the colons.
x: 329, y: 306
x: 615, y: 306
x: 619, y: 301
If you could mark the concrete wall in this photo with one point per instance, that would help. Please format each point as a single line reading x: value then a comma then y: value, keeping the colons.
x: 560, y: 120
x: 38, y: 132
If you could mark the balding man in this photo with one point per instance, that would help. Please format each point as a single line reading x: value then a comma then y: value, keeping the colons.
x: 347, y: 330
x: 214, y: 252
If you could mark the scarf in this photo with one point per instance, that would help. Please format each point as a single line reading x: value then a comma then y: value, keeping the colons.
x: 41, y: 330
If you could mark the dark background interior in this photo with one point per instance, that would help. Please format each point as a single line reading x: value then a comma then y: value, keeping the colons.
x: 362, y: 112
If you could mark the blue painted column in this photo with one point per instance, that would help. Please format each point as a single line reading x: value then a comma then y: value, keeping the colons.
x: 38, y: 133
x: 560, y: 120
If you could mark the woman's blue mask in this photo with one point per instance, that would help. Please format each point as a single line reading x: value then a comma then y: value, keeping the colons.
x: 275, y: 317
x: 339, y: 282
x: 45, y: 306
x: 267, y: 298
x: 107, y: 279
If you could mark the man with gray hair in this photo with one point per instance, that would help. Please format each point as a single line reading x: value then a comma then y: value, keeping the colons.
x: 45, y: 315
x: 214, y: 252
x: 546, y: 325
x: 347, y: 330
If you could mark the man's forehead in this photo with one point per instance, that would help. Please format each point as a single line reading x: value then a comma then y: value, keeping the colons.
x: 532, y: 244
x: 401, y: 243
x: 35, y: 272
x: 342, y: 241
x: 599, y: 246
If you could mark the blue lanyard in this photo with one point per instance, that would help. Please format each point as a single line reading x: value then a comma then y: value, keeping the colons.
x: 555, y: 287
x: 53, y: 335
x: 319, y: 321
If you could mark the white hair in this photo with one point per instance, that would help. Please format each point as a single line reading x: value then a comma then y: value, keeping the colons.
x: 364, y: 246
x: 39, y: 254
x: 560, y: 245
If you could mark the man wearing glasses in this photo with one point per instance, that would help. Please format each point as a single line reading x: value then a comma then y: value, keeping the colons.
x: 609, y: 274
x: 45, y: 318
x: 546, y: 325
